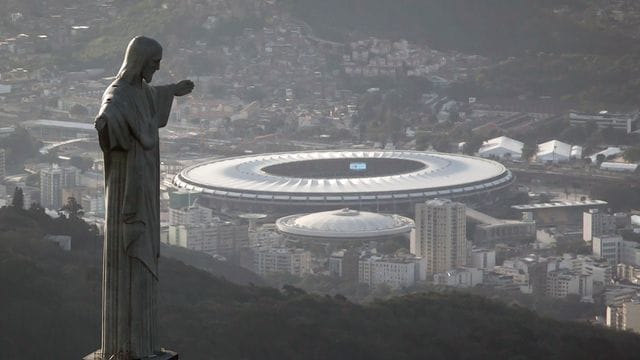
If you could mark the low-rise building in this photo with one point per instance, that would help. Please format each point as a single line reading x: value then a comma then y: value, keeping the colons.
x: 461, y: 277
x: 395, y: 272
x: 215, y: 238
x: 563, y: 282
x: 484, y: 259
x: 625, y: 317
x: 268, y: 260
x: 626, y: 122
x: 501, y: 147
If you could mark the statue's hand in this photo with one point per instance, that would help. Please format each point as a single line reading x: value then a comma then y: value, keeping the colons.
x: 184, y: 87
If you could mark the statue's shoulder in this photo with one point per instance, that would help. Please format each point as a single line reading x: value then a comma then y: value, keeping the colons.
x: 116, y: 98
x: 118, y: 92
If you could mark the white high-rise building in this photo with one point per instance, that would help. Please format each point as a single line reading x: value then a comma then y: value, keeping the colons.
x: 440, y: 235
x: 608, y: 247
x: 596, y: 223
x: 3, y: 170
x: 52, y: 180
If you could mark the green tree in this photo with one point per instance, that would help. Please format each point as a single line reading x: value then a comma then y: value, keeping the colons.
x: 72, y: 208
x: 472, y: 145
x: 18, y: 198
x: 632, y: 154
x: 529, y: 150
x: 81, y: 162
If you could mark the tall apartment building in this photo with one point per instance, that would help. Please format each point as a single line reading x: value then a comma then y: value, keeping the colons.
x: 596, y: 223
x: 440, y: 235
x: 608, y: 247
x: 52, y: 180
x: 3, y: 167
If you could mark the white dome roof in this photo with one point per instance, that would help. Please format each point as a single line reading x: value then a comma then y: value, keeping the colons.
x: 344, y: 223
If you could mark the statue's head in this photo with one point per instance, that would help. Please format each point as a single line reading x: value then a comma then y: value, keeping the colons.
x: 141, y: 59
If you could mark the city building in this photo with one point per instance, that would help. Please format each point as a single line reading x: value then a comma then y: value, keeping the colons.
x: 626, y: 122
x: 599, y: 270
x: 52, y: 180
x: 3, y: 167
x: 193, y: 215
x: 440, y: 235
x: 596, y: 223
x: 55, y: 130
x: 484, y: 259
x: 618, y: 166
x: 460, y: 277
x: 628, y: 273
x: 608, y: 247
x: 616, y: 250
x: 625, y: 317
x: 558, y: 213
x: 488, y: 231
x: 268, y: 260
x: 214, y: 238
x: 344, y: 264
x: 396, y: 272
x: 501, y: 147
x: 555, y: 151
x: 563, y: 282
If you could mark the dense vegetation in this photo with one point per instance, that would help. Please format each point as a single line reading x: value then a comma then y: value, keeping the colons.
x: 50, y: 305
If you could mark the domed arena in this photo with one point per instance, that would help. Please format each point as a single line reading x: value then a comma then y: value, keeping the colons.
x: 343, y: 225
x: 372, y: 180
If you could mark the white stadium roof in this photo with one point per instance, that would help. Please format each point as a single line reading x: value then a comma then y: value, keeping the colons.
x: 440, y: 175
x: 344, y: 223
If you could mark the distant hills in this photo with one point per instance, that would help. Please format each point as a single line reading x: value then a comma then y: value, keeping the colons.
x: 50, y: 307
x: 487, y: 27
x: 547, y: 48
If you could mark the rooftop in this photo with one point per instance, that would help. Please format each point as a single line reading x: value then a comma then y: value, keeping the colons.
x: 344, y: 223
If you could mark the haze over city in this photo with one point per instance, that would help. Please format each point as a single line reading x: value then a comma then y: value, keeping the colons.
x: 336, y: 179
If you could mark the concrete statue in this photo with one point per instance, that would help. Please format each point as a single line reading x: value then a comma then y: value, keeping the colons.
x: 128, y: 122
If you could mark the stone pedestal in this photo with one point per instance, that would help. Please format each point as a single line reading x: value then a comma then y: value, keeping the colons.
x: 165, y: 355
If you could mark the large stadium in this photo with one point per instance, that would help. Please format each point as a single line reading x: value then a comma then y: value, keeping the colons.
x: 370, y: 180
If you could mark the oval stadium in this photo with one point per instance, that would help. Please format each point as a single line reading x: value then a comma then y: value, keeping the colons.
x: 372, y: 180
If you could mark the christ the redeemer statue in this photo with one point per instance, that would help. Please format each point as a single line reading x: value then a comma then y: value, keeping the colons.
x: 131, y: 114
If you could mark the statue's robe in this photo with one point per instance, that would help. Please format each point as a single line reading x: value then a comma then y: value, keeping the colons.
x: 127, y: 125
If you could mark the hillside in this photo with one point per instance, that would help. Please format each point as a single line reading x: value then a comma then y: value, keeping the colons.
x: 493, y: 28
x: 542, y: 48
x: 51, y: 304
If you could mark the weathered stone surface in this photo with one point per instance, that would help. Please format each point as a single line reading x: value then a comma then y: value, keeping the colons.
x: 166, y: 355
x: 128, y: 122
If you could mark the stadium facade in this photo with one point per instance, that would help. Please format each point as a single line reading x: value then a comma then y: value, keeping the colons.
x: 369, y: 180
